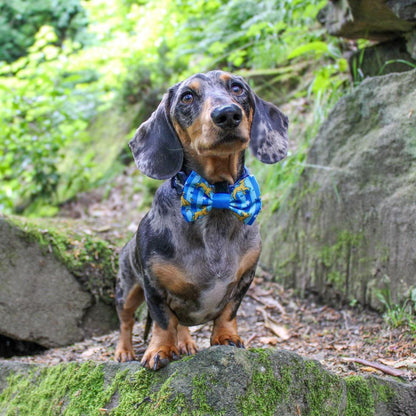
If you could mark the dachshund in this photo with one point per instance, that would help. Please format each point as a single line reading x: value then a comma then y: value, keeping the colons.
x: 195, y: 252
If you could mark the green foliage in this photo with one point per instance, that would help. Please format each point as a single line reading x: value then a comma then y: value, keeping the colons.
x: 41, y: 110
x: 135, y: 50
x: 21, y: 20
x: 235, y: 34
x: 401, y: 314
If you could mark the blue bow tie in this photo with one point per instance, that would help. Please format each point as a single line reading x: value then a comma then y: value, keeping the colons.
x: 242, y: 198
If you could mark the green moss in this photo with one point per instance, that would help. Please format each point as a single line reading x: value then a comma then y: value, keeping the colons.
x: 91, y: 260
x: 360, y: 401
x: 341, y: 248
x: 202, y: 384
x: 71, y: 390
x: 334, y: 262
x: 296, y: 387
x: 323, y: 391
x: 363, y: 394
x: 268, y: 392
x: 79, y: 389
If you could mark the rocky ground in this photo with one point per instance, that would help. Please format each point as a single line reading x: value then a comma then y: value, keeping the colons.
x: 346, y: 339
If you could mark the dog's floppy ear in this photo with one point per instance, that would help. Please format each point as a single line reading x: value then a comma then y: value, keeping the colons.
x: 155, y: 146
x: 268, y: 137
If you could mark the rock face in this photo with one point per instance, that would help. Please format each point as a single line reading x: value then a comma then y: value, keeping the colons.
x: 218, y: 381
x: 41, y: 300
x: 393, y: 22
x: 350, y: 229
x: 370, y: 19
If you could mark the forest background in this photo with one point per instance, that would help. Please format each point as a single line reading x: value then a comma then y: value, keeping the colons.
x: 78, y: 77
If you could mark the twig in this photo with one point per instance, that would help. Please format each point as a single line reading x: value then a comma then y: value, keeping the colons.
x: 384, y: 368
x: 276, y: 304
x: 253, y: 337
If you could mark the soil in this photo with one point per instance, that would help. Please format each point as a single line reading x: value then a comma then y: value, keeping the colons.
x: 270, y: 316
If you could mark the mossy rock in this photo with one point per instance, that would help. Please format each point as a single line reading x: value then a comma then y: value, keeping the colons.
x: 56, y: 285
x: 349, y: 229
x: 217, y: 381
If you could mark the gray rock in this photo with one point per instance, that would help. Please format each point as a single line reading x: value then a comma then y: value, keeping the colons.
x: 41, y: 301
x: 369, y: 19
x: 403, y: 9
x: 350, y: 229
x: 381, y: 59
x: 217, y: 381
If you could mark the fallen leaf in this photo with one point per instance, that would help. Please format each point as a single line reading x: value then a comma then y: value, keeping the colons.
x: 278, y: 330
x: 269, y: 340
x: 370, y: 370
x: 271, y: 324
x: 409, y: 363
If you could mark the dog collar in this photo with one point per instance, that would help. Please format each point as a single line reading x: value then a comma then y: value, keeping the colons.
x: 198, y: 197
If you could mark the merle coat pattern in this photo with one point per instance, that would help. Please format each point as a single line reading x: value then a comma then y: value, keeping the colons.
x: 192, y: 273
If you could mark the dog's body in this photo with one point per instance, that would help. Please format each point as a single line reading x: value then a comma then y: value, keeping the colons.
x: 190, y: 273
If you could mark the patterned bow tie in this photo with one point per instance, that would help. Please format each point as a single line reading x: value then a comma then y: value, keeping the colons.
x: 242, y: 198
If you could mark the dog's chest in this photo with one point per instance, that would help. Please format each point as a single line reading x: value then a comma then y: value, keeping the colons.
x: 211, y: 258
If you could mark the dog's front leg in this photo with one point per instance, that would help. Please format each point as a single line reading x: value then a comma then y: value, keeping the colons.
x: 224, y: 331
x: 163, y: 346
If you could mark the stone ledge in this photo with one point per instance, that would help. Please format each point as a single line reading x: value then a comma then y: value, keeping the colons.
x: 217, y: 381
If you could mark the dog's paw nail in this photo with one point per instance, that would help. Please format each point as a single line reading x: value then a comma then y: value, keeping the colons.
x: 156, y: 364
x: 175, y: 356
x: 231, y: 344
x: 240, y: 345
x: 143, y: 363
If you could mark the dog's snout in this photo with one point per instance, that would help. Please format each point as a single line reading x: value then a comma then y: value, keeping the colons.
x: 227, y: 116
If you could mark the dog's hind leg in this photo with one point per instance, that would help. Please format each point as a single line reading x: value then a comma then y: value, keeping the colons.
x: 129, y: 296
x: 124, y: 351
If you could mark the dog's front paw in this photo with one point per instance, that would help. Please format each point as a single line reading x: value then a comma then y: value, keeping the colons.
x: 186, y: 344
x: 124, y: 354
x: 159, y: 356
x: 227, y: 339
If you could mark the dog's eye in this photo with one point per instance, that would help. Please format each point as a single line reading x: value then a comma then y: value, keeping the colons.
x: 237, y: 89
x: 187, y: 97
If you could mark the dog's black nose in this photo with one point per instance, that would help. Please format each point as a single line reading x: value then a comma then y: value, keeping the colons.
x: 227, y: 116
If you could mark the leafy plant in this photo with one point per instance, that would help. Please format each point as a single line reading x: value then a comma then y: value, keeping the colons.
x: 399, y: 314
x: 135, y: 50
x: 21, y: 20
x: 40, y: 111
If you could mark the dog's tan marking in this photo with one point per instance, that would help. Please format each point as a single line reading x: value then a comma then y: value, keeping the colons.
x: 218, y: 160
x: 224, y: 331
x: 163, y: 346
x: 174, y: 279
x: 195, y: 85
x: 218, y: 169
x: 225, y: 77
x: 247, y: 262
x: 124, y: 351
x: 186, y: 344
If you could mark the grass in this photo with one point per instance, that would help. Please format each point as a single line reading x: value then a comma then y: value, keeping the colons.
x: 402, y: 314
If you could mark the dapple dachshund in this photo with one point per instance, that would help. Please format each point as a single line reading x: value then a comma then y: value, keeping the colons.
x: 194, y: 254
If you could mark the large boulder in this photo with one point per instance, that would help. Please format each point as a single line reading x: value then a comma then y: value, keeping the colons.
x: 219, y: 381
x: 369, y: 19
x: 56, y: 287
x: 350, y: 227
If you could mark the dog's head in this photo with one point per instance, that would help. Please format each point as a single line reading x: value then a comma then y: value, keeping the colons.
x: 208, y: 115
